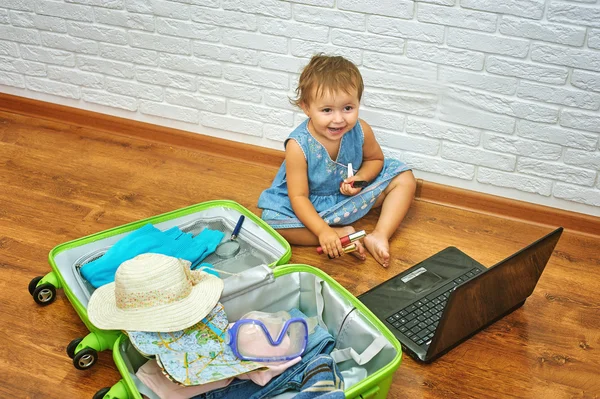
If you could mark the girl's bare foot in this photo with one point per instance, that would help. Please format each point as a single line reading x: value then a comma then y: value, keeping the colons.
x: 360, y: 251
x: 379, y: 246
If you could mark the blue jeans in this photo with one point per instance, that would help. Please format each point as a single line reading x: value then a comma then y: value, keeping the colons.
x: 319, y: 342
x: 321, y: 379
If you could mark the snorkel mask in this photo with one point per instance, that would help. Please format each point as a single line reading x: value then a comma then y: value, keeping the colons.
x: 268, y: 337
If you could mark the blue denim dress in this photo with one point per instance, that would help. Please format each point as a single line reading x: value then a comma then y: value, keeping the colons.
x: 324, y: 178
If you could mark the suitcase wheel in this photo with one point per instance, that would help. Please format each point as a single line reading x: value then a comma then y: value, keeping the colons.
x: 33, y: 284
x: 85, y: 358
x: 100, y: 394
x: 72, y: 346
x: 117, y: 391
x: 44, y: 294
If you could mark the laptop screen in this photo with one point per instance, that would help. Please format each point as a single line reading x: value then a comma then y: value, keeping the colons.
x: 492, y: 294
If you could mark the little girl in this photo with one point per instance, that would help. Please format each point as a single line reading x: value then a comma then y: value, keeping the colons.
x: 312, y: 200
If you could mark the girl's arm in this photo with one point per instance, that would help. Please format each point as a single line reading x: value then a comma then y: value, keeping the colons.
x: 298, y: 192
x: 372, y: 155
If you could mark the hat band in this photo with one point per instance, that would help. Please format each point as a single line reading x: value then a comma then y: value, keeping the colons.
x: 147, y: 299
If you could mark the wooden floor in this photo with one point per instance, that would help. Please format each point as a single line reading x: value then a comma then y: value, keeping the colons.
x: 60, y: 182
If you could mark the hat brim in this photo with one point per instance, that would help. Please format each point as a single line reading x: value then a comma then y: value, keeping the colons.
x: 104, y: 313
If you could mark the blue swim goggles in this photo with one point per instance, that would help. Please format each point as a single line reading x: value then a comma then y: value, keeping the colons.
x: 251, y: 339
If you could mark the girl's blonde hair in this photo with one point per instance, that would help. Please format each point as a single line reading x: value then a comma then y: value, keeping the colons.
x: 327, y: 74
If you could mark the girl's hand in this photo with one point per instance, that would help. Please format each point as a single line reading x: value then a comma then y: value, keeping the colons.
x: 346, y: 187
x: 330, y: 242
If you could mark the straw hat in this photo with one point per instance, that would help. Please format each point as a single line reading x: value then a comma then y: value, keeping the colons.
x: 154, y: 292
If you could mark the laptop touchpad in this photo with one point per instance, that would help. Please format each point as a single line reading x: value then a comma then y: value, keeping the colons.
x: 421, y: 279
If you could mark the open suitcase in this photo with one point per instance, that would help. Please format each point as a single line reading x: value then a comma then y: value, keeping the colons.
x: 364, y: 346
x: 259, y: 245
x: 258, y: 283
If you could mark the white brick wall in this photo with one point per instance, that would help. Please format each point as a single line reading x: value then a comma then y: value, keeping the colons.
x: 497, y: 96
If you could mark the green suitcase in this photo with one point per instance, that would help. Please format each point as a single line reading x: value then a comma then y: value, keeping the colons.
x: 264, y: 251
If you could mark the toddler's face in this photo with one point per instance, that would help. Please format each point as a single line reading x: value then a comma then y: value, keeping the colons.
x: 332, y: 114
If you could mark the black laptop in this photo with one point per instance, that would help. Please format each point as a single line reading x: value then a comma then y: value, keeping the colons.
x: 447, y: 298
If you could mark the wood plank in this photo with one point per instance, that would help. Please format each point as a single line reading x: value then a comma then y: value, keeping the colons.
x: 121, y: 126
x: 508, y: 208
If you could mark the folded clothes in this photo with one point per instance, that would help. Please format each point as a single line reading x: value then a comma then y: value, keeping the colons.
x: 153, y: 377
x: 148, y: 238
x: 262, y: 377
x: 321, y: 379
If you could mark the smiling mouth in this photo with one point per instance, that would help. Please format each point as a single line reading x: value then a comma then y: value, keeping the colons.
x: 336, y: 130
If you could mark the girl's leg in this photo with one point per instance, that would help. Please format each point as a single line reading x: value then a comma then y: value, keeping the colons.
x: 303, y: 236
x: 394, y: 201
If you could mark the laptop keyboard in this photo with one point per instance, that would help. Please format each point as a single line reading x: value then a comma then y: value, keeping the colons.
x: 419, y: 320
